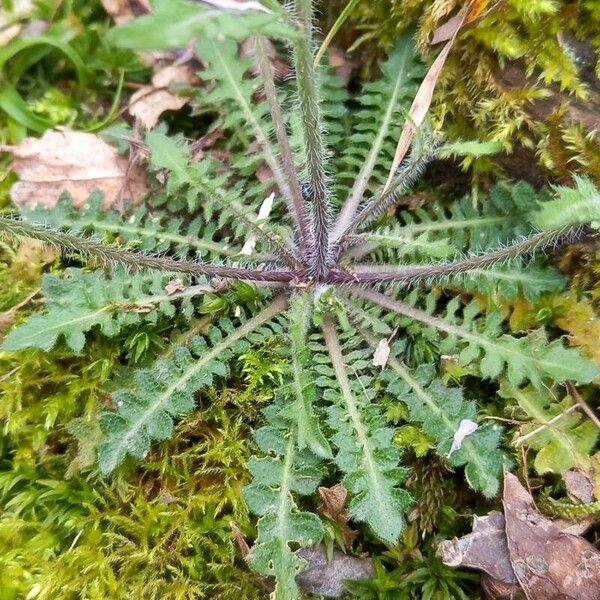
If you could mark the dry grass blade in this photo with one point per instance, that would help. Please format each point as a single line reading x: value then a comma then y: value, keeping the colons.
x: 422, y: 101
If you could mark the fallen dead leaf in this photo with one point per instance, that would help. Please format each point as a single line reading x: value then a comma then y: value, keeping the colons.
x: 549, y: 563
x: 522, y: 549
x: 485, y: 549
x: 478, y: 10
x: 119, y: 10
x: 579, y: 485
x: 149, y: 102
x: 124, y: 10
x: 333, y: 507
x: 73, y: 162
x: 323, y: 577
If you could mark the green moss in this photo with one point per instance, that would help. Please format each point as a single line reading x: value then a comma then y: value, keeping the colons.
x: 161, y: 532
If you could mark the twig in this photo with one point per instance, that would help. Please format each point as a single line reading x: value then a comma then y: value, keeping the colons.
x: 582, y: 404
x: 521, y: 439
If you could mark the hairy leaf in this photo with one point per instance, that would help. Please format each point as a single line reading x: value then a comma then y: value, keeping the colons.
x: 284, y: 472
x: 440, y: 410
x: 81, y: 301
x: 145, y: 229
x: 365, y: 451
x: 530, y: 358
x: 301, y: 409
x: 580, y: 204
x: 145, y: 412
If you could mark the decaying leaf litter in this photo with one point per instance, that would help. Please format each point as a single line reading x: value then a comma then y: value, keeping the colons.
x: 535, y: 575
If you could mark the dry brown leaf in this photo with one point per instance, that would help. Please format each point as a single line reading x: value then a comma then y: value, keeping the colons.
x: 149, y: 102
x: 549, y: 563
x: 523, y: 550
x: 485, y: 549
x: 73, y: 162
x: 119, y: 10
x: 422, y: 100
x: 333, y: 507
x: 477, y: 11
x: 579, y: 485
x: 323, y: 577
x: 333, y: 504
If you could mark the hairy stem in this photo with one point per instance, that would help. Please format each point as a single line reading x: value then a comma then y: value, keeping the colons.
x: 410, y: 274
x: 313, y: 140
x: 298, y: 209
x: 388, y: 198
x: 112, y: 255
x: 385, y: 199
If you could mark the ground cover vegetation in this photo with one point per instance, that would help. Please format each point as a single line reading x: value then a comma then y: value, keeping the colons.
x: 272, y: 321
